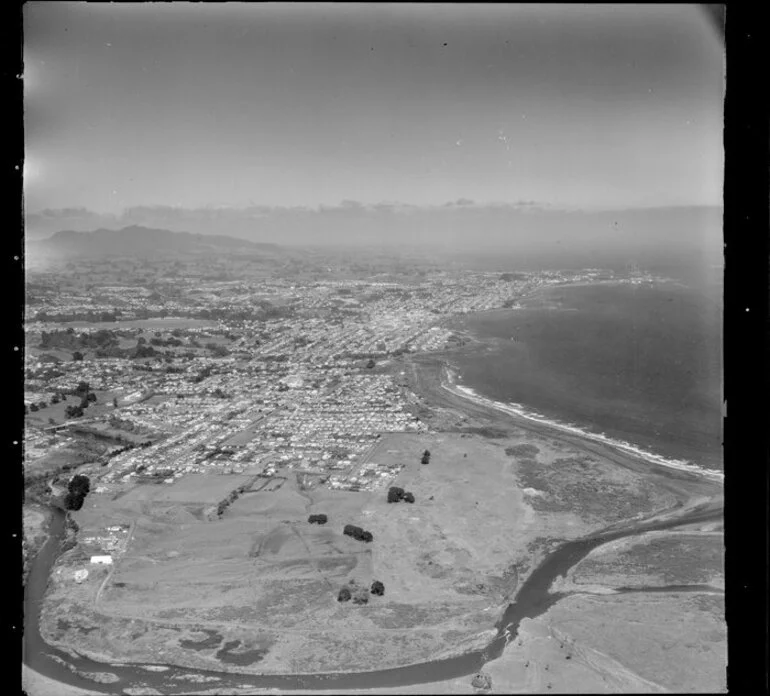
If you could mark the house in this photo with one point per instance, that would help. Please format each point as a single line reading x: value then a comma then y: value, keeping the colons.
x: 105, y: 560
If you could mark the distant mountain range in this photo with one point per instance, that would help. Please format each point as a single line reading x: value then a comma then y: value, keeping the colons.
x: 140, y: 241
x: 523, y: 235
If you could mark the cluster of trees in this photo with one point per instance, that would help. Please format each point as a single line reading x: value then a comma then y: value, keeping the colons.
x: 77, y: 490
x: 318, y: 519
x: 67, y: 338
x: 158, y: 341
x: 358, y: 594
x: 73, y: 411
x: 425, y: 457
x: 78, y: 316
x: 142, y: 350
x: 115, y: 421
x: 397, y: 494
x: 83, y: 390
x: 358, y: 533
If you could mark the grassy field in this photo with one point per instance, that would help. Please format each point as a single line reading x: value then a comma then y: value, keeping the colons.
x: 263, y: 576
x: 655, y: 559
x: 675, y: 640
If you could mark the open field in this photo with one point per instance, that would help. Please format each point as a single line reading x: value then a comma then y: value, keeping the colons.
x: 676, y: 640
x: 655, y: 559
x: 256, y: 589
x: 55, y: 412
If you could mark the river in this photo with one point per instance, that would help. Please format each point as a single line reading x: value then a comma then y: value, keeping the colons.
x: 533, y: 599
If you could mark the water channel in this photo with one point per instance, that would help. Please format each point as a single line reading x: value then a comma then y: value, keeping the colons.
x: 532, y: 600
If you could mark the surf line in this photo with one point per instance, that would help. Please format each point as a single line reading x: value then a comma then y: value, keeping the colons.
x: 448, y: 383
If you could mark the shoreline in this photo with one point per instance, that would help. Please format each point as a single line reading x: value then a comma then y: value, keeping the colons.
x: 518, y: 412
x: 536, y: 425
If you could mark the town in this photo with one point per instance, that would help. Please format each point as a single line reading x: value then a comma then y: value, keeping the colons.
x: 297, y: 382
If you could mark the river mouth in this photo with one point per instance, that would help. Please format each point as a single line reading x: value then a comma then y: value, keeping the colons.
x: 532, y: 600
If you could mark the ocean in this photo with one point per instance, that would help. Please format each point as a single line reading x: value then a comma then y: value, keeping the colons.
x: 637, y: 363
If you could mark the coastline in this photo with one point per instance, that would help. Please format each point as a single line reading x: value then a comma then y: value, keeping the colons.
x: 508, y: 413
x: 517, y: 412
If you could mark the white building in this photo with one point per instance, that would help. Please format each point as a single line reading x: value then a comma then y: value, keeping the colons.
x: 105, y: 560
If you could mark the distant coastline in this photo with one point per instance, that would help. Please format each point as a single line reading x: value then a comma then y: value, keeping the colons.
x: 517, y: 411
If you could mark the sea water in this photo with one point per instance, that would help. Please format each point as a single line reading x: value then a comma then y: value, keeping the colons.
x: 638, y: 363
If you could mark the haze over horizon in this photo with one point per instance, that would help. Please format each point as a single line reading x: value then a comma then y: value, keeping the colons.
x: 270, y: 106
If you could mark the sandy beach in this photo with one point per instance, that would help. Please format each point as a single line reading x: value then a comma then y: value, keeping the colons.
x: 519, y: 413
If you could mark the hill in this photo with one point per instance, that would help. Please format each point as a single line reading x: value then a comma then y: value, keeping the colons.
x: 141, y: 241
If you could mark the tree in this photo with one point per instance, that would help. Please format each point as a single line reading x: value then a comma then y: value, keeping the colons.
x: 77, y: 355
x: 371, y: 363
x: 73, y: 502
x: 115, y: 401
x: 378, y: 588
x: 344, y: 595
x: 42, y: 405
x: 73, y: 411
x: 408, y: 497
x: 77, y: 490
x: 82, y: 388
x: 91, y: 396
x: 425, y: 457
x: 33, y: 408
x: 317, y: 519
x: 79, y: 484
x: 395, y: 494
x: 357, y: 533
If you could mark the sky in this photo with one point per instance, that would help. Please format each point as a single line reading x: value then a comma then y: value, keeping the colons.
x: 235, y: 105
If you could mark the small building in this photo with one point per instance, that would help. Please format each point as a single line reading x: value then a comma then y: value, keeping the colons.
x: 104, y: 560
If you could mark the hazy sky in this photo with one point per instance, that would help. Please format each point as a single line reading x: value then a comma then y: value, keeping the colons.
x: 307, y: 104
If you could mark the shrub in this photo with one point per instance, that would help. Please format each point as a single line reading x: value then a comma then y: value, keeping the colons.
x: 408, y: 497
x: 318, y: 519
x: 344, y: 595
x: 378, y: 588
x: 481, y: 681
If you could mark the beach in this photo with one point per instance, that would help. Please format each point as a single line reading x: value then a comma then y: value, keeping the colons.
x: 519, y: 413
